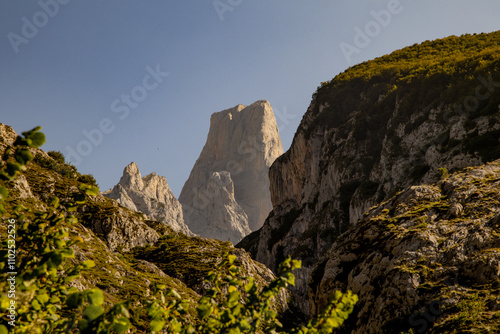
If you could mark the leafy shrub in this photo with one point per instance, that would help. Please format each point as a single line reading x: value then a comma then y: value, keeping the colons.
x: 57, y: 156
x: 235, y: 304
x: 56, y: 166
x: 88, y: 179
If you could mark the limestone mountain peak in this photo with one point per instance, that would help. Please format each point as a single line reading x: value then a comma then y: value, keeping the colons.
x: 131, y: 177
x: 243, y: 142
x: 150, y: 195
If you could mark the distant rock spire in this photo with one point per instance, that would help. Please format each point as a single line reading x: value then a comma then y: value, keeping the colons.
x: 150, y: 195
x: 227, y: 194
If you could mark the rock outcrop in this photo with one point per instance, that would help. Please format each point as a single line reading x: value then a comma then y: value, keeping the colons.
x: 222, y: 217
x: 150, y: 195
x: 379, y: 127
x: 227, y: 193
x: 424, y: 259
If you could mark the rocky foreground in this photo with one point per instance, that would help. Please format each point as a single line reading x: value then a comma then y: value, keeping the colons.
x: 427, y: 258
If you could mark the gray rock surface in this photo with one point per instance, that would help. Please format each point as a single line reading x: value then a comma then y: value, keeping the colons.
x: 428, y: 246
x: 150, y: 195
x: 227, y: 194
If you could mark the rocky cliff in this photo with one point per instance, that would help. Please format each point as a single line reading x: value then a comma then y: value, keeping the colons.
x: 377, y: 128
x: 150, y: 195
x: 427, y: 259
x: 227, y: 193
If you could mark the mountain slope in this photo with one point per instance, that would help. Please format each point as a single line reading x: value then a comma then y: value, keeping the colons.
x: 377, y: 128
x: 129, y: 251
x: 427, y: 259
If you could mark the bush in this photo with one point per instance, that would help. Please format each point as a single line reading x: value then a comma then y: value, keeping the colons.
x: 88, y: 179
x: 57, y: 156
x: 56, y: 165
x: 236, y: 304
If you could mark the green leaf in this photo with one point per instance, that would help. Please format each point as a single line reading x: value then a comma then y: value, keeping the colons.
x: 23, y: 156
x: 28, y: 282
x: 231, y: 258
x: 83, y: 324
x: 88, y: 264
x: 35, y: 129
x: 56, y: 258
x: 92, y: 191
x: 174, y: 294
x: 4, y: 193
x: 4, y: 302
x: 43, y: 298
x: 54, y: 202
x: 3, y: 330
x: 55, y: 299
x: 120, y: 325
x: 36, y: 305
x: 124, y: 311
x: 37, y: 139
x: 67, y: 253
x: 233, y: 298
x: 96, y: 297
x: 250, y: 286
x: 204, y: 311
x: 157, y: 325
x: 74, y: 300
x: 92, y: 312
x: 13, y: 168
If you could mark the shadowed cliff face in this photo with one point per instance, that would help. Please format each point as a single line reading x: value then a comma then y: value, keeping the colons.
x: 377, y: 128
x: 227, y: 193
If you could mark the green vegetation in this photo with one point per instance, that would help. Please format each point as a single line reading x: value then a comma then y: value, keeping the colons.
x: 380, y: 94
x: 47, y: 270
x: 56, y: 166
x: 88, y: 179
x: 57, y: 156
x: 43, y: 299
x: 185, y: 258
x: 55, y: 162
x: 444, y: 172
x: 470, y: 309
x: 243, y: 307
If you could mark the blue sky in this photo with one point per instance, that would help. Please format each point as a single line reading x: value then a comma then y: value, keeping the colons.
x: 141, y: 78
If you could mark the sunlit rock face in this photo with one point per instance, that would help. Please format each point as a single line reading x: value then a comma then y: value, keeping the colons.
x: 150, y: 195
x: 227, y: 194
